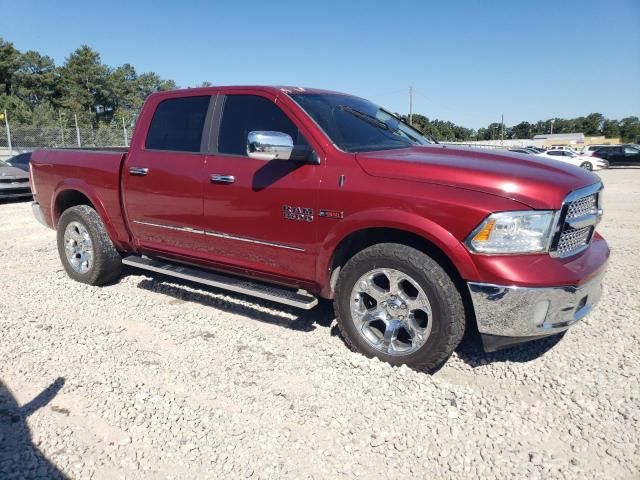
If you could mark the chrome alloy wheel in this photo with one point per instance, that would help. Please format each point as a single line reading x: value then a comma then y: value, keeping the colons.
x: 391, y: 311
x: 78, y: 247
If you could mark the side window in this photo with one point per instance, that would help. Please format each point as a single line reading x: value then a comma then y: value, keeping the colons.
x: 556, y: 153
x: 177, y: 124
x: 245, y: 113
x: 631, y: 151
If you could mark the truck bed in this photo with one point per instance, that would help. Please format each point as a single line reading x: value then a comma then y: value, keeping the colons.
x: 93, y: 172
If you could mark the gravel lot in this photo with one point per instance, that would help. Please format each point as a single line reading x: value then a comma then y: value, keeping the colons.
x: 153, y: 378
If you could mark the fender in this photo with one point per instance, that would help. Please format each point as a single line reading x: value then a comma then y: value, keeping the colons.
x: 79, y: 185
x: 399, y: 220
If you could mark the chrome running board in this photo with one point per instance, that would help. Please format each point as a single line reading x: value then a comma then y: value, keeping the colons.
x: 299, y: 298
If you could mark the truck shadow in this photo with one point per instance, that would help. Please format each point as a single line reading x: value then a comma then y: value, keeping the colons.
x: 469, y: 351
x: 19, y: 457
x: 239, y: 304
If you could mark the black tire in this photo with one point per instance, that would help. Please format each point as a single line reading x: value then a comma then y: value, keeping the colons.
x: 586, y: 166
x: 448, y: 314
x: 106, y: 264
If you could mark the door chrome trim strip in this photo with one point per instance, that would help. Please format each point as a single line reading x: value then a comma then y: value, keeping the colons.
x: 171, y: 227
x: 227, y: 236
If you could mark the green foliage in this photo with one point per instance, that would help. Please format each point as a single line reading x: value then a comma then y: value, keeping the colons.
x: 594, y: 124
x: 36, y: 92
x: 9, y: 63
x: 630, y: 129
x: 439, y: 129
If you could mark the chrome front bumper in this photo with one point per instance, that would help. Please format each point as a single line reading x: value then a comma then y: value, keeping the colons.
x: 508, y: 311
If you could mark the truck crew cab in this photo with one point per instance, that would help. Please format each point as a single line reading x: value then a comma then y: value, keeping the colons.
x: 290, y: 194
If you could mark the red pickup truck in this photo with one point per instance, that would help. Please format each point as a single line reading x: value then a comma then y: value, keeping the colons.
x: 290, y: 194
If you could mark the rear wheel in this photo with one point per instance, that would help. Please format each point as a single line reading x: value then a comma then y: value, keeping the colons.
x: 398, y: 304
x: 586, y: 166
x: 86, y: 251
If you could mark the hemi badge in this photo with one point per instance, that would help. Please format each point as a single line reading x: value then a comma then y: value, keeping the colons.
x: 331, y: 214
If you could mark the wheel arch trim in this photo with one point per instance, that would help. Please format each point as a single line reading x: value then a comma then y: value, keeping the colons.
x: 73, y: 184
x: 407, y: 222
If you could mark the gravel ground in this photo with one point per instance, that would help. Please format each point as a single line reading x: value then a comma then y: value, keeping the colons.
x: 153, y: 378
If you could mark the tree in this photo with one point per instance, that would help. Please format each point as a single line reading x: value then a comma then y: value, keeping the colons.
x: 36, y: 79
x: 151, y: 82
x: 9, y: 63
x: 521, y: 130
x: 121, y: 92
x: 630, y: 129
x: 83, y: 79
x: 610, y: 128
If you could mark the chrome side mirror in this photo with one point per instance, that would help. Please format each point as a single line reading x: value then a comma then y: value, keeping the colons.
x: 267, y: 146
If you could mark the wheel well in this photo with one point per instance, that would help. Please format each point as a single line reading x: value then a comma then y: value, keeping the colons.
x: 68, y: 199
x: 362, y: 239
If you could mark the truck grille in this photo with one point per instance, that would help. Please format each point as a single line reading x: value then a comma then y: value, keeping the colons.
x: 578, y: 219
x: 573, y: 239
x: 583, y: 206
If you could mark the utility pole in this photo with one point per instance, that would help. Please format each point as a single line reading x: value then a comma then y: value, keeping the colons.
x: 61, y: 129
x: 77, y: 130
x: 6, y: 123
x: 411, y: 106
x: 502, y: 123
x: 552, y: 122
x: 124, y: 129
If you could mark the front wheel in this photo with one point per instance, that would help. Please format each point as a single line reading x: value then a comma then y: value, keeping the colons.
x: 586, y: 166
x: 86, y: 251
x: 398, y: 304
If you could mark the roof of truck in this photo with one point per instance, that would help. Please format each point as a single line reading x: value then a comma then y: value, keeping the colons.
x: 275, y: 89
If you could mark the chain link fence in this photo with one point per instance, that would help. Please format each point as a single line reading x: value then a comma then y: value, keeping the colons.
x: 29, y: 138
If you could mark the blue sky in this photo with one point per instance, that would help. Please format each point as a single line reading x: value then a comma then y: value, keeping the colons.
x: 468, y: 61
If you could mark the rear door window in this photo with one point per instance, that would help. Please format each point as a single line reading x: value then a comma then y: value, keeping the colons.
x: 246, y: 113
x: 177, y: 124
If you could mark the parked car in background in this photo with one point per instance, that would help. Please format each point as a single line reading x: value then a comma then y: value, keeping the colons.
x: 14, y: 183
x: 589, y: 149
x: 20, y: 161
x: 568, y: 156
x: 619, y: 155
x: 522, y: 150
x: 563, y: 147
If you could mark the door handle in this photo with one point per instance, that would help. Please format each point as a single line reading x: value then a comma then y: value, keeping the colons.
x: 215, y: 178
x: 138, y: 171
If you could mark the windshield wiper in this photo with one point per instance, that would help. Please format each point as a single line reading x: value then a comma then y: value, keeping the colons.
x: 376, y: 122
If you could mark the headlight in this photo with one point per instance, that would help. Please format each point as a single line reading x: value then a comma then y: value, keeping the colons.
x: 513, y: 232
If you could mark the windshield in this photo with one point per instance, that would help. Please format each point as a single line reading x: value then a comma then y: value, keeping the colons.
x: 358, y: 125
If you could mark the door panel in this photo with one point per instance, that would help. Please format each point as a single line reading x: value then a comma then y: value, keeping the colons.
x: 162, y: 179
x: 245, y: 222
x: 265, y: 219
x: 165, y: 200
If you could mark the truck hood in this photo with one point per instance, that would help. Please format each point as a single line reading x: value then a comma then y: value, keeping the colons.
x: 531, y: 180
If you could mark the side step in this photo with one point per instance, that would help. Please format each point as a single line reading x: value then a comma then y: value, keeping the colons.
x: 299, y: 299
